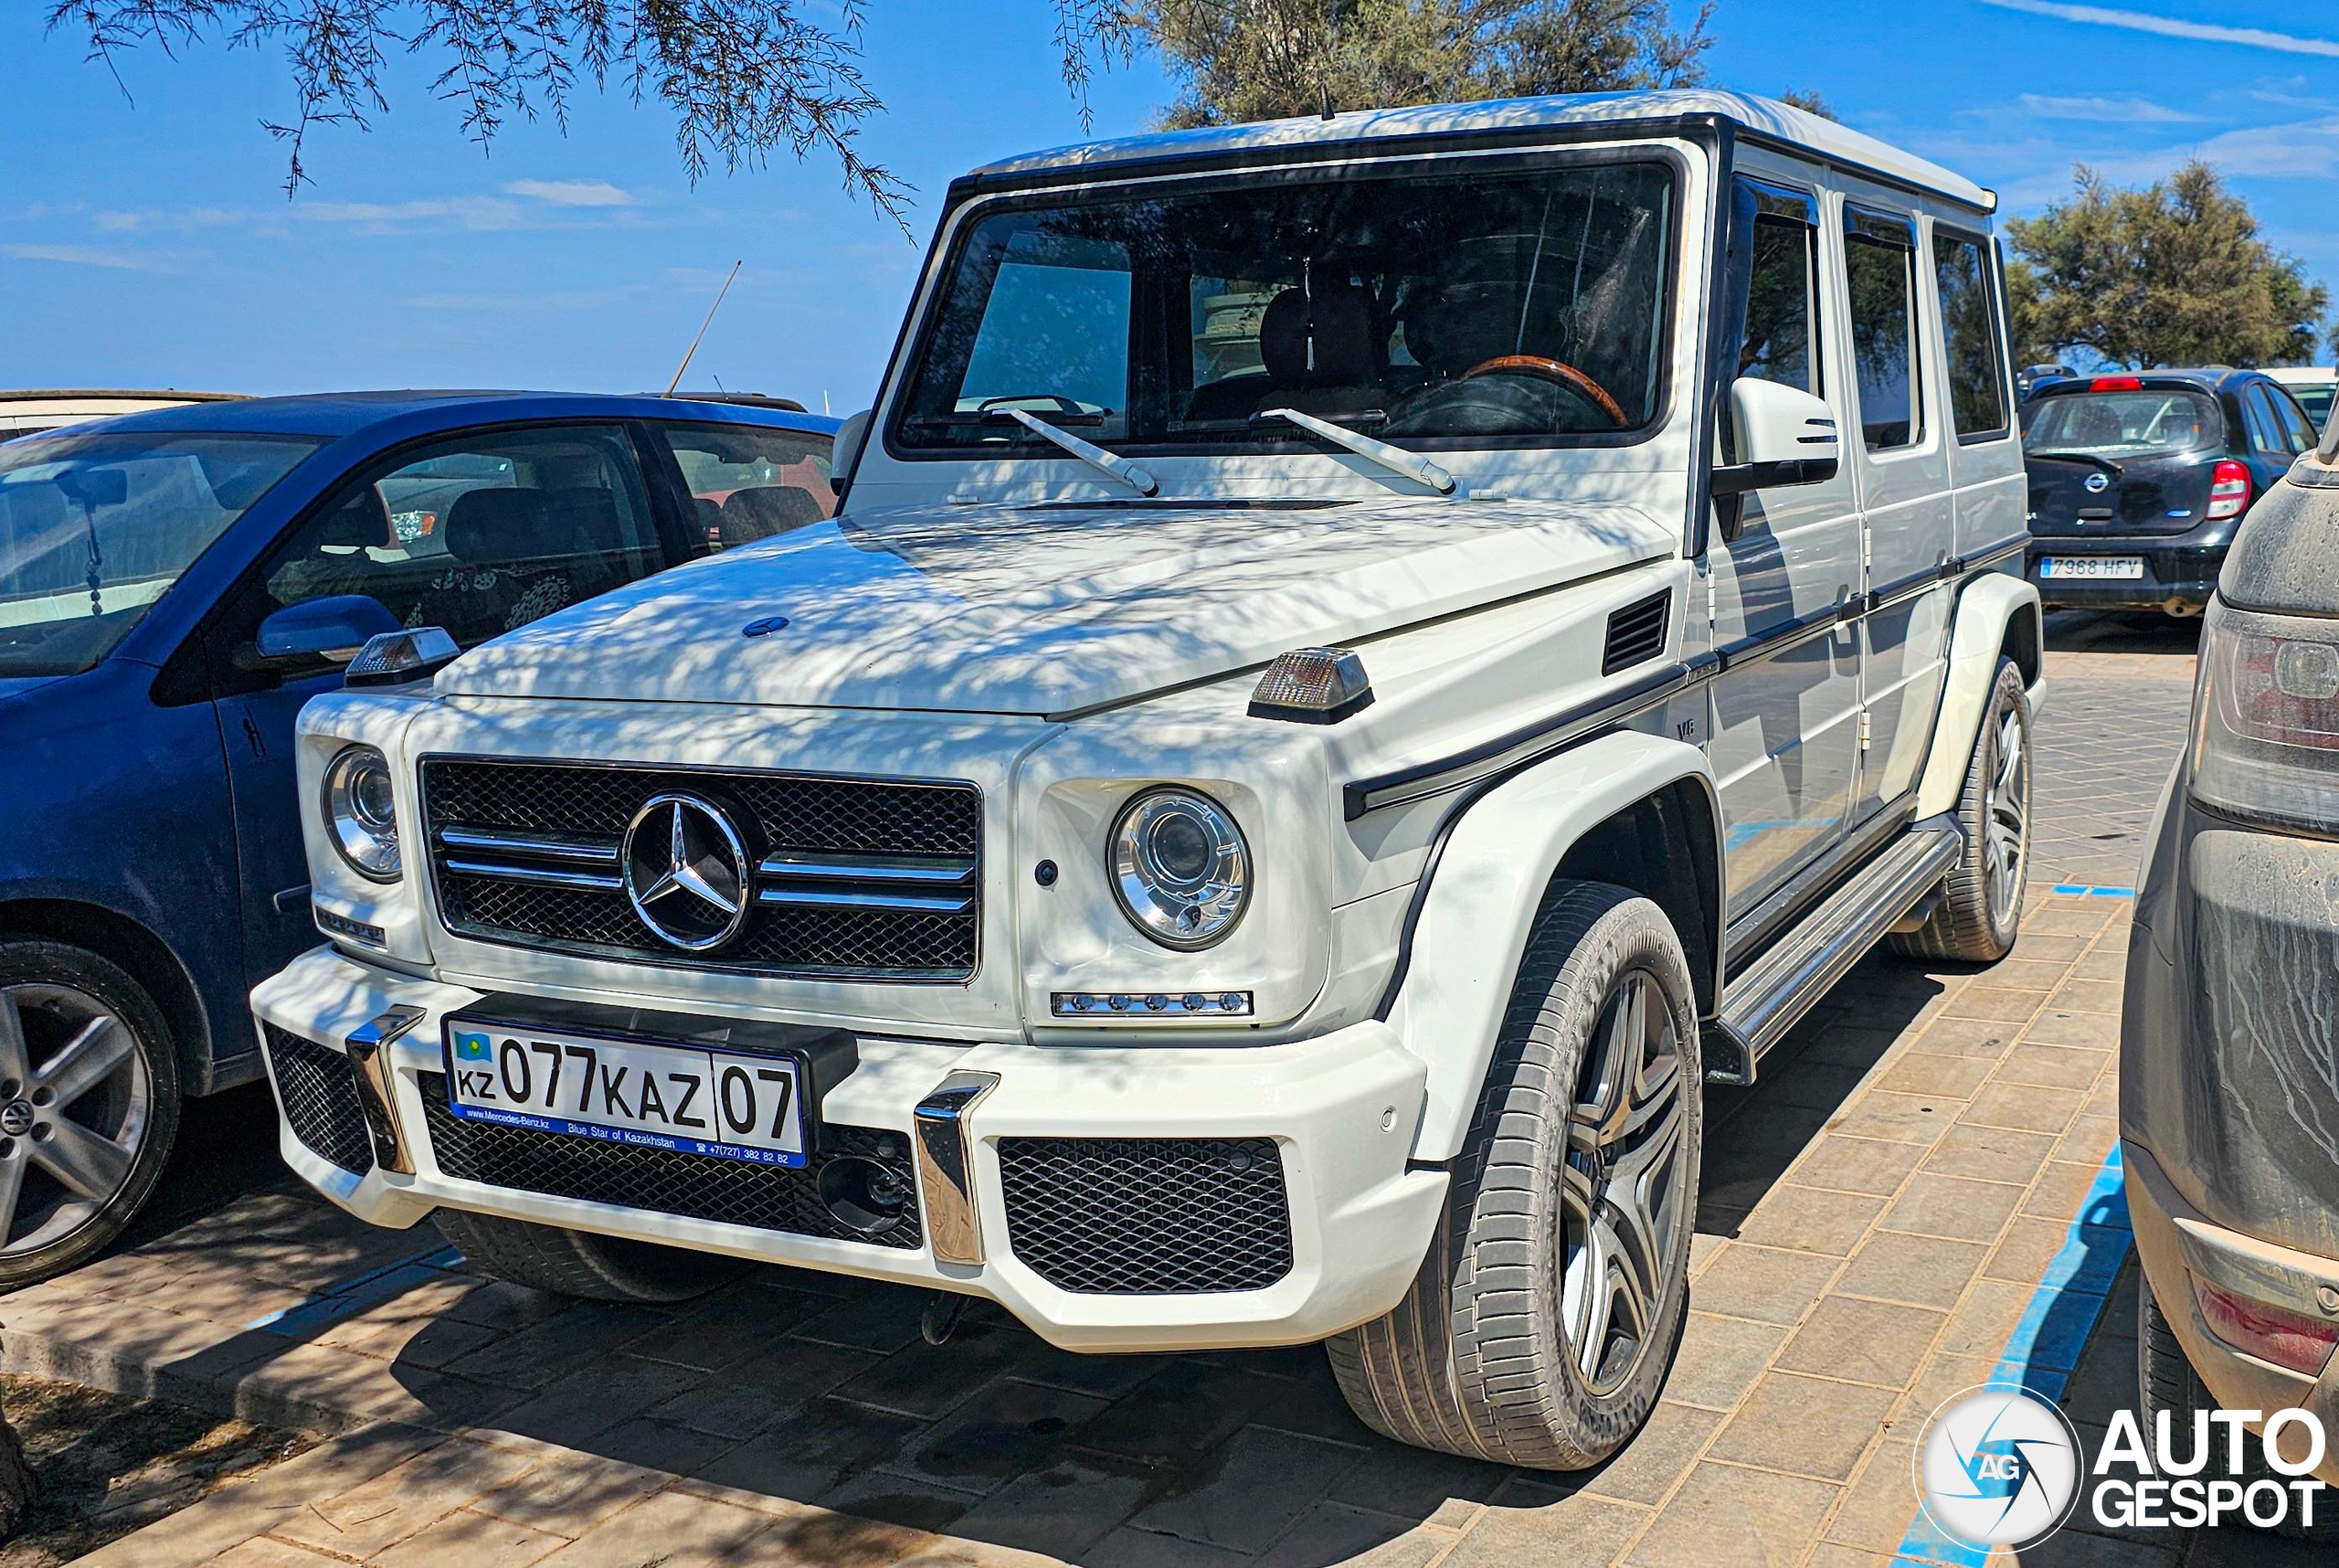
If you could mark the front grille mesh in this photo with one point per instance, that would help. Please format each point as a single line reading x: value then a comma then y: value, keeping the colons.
x: 1148, y: 1216
x: 664, y: 1182
x: 780, y: 814
x: 319, y: 1090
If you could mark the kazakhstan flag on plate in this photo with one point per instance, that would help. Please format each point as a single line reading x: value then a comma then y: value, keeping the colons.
x: 470, y: 1047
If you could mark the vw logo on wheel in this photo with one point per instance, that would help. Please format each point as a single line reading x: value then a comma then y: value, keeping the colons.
x: 686, y: 873
x: 2097, y: 483
x: 1998, y: 1467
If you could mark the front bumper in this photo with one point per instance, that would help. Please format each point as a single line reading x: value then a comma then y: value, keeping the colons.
x: 1341, y: 1108
x: 2176, y: 1244
x: 2180, y: 572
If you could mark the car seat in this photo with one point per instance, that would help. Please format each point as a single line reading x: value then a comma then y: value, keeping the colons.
x: 1322, y: 354
x: 2095, y: 425
x: 748, y: 515
x: 516, y: 556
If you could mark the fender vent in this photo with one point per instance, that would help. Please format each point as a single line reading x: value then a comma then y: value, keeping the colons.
x: 1637, y: 634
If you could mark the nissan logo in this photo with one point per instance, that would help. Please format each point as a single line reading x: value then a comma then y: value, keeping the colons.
x: 2097, y: 483
x: 686, y: 874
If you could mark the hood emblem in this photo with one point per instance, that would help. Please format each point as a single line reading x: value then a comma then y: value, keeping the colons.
x: 763, y: 626
x: 2096, y: 483
x: 686, y: 872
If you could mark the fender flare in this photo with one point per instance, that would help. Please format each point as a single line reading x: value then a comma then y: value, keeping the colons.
x: 1990, y: 605
x: 1485, y: 883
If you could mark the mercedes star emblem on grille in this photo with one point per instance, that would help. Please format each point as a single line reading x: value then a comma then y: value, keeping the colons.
x: 686, y: 873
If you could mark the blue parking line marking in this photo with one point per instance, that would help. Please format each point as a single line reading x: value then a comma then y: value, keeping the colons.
x: 350, y: 1297
x: 2045, y: 1347
x: 2085, y: 891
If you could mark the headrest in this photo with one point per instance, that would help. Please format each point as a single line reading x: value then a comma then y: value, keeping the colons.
x: 765, y: 510
x: 362, y: 519
x: 1339, y: 318
x: 493, y: 527
x: 2096, y: 425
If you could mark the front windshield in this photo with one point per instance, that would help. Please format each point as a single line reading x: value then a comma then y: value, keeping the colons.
x: 2122, y: 424
x: 1524, y: 305
x: 93, y: 529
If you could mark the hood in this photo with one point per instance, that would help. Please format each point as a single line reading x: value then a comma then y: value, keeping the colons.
x: 1046, y: 609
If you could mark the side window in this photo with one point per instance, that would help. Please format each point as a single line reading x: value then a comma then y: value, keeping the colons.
x: 2265, y: 427
x: 1880, y: 267
x: 1969, y: 319
x: 750, y: 481
x: 1783, y: 283
x: 2296, y: 427
x: 481, y: 534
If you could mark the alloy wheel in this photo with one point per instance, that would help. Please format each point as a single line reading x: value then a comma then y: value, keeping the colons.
x: 76, y: 1107
x: 2006, y: 814
x: 1622, y: 1201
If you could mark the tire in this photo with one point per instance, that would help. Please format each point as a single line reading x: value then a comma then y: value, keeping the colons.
x: 1484, y: 1357
x: 2166, y: 1381
x: 1980, y: 911
x: 87, y: 1129
x: 581, y: 1263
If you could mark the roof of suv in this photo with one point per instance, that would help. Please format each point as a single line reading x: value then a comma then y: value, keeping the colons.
x: 1763, y: 118
x: 343, y: 413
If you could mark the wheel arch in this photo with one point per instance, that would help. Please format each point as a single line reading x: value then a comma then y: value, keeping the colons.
x: 150, y: 961
x: 1998, y: 616
x: 1636, y: 810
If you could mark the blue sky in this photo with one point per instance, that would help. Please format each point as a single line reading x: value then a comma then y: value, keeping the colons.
x: 145, y: 242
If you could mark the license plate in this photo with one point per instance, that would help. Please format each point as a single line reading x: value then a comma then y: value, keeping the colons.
x: 2117, y: 568
x: 628, y: 1091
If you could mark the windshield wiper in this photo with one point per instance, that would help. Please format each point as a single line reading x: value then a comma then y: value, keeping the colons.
x: 2105, y: 463
x: 1396, y: 460
x: 1095, y: 456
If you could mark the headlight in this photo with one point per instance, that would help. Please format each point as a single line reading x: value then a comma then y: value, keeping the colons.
x: 359, y: 812
x: 1179, y: 867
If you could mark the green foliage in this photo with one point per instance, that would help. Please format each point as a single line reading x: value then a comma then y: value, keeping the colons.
x: 1242, y: 61
x: 2173, y: 274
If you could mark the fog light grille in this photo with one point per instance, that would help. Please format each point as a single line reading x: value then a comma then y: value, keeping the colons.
x: 1148, y: 1216
x: 319, y: 1092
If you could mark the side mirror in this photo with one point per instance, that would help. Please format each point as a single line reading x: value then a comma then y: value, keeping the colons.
x: 333, y: 628
x: 1784, y: 437
x: 851, y: 435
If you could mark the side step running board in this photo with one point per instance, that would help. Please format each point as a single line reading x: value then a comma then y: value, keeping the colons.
x: 1774, y: 992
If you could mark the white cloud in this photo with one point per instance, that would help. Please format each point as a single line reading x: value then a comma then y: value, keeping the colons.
x: 475, y: 213
x: 79, y: 256
x: 2110, y: 111
x: 2170, y: 27
x: 2308, y: 150
x: 572, y: 193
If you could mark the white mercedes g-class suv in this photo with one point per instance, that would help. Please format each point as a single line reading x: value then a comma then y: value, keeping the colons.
x: 1353, y: 674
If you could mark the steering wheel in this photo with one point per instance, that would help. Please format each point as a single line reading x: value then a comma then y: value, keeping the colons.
x: 1551, y: 369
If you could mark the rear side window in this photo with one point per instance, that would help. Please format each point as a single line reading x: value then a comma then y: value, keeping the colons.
x: 2265, y: 427
x: 1880, y: 267
x: 1969, y: 320
x: 751, y: 482
x: 2124, y: 424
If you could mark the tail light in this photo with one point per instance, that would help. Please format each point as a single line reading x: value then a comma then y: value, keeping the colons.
x: 2116, y: 384
x: 2274, y: 1334
x: 2266, y: 717
x: 2228, y: 490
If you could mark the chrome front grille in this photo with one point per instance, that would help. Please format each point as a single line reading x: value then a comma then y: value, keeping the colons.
x: 871, y: 878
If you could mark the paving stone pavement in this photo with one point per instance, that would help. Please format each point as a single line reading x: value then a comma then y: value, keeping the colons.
x: 1875, y: 1214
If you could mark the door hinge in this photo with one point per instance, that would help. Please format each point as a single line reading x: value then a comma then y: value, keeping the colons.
x: 1866, y: 732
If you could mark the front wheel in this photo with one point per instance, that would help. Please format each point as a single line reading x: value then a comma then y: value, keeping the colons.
x: 88, y: 1106
x: 1539, y: 1329
x: 1980, y: 911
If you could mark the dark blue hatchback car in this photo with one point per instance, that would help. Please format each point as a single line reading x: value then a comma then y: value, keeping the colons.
x: 173, y: 586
